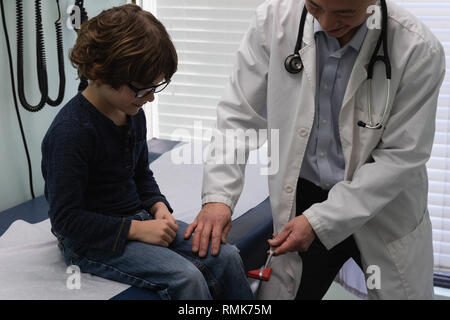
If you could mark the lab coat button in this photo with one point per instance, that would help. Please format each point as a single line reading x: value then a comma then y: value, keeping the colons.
x: 289, y: 189
x: 303, y: 132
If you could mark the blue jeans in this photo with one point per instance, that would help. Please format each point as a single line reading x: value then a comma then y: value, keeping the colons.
x: 174, y: 272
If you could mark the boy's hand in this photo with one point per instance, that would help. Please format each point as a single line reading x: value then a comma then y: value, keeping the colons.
x: 159, y: 232
x: 161, y: 212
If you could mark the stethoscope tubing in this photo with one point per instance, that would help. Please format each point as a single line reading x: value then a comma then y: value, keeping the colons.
x: 294, y: 65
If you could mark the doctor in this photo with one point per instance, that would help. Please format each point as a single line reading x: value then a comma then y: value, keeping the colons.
x: 352, y: 180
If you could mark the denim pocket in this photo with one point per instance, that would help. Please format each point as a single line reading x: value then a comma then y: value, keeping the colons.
x: 142, y: 215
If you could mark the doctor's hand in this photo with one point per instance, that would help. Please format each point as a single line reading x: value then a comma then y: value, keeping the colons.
x: 297, y: 235
x: 213, y: 222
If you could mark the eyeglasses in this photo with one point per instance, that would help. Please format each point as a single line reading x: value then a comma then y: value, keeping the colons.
x: 141, y: 93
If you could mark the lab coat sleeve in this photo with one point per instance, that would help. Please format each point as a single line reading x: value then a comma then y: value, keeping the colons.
x: 243, y: 107
x: 405, y: 147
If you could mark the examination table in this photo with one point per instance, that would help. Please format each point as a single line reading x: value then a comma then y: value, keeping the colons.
x: 31, y: 266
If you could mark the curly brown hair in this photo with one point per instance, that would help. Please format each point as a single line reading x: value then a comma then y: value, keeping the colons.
x: 122, y: 45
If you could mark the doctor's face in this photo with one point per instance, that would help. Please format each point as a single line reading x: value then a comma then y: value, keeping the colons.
x: 340, y: 19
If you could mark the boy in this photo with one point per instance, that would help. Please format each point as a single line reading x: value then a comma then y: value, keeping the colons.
x: 106, y: 209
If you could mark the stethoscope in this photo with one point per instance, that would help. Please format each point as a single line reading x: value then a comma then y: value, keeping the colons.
x: 294, y: 64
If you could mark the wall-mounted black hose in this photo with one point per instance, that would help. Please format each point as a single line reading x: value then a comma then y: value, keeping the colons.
x: 84, y: 17
x: 41, y: 69
x: 40, y: 58
x: 60, y: 50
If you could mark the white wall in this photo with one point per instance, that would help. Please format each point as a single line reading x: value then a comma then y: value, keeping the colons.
x: 14, y: 186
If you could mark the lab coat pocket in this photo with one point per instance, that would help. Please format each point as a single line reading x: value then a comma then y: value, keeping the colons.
x: 413, y: 258
x: 364, y: 140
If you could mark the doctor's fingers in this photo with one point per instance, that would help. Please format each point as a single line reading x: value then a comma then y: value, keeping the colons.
x: 291, y: 243
x: 202, y: 238
x: 190, y: 229
x: 225, y: 231
x: 196, y: 236
x: 217, y: 236
x: 280, y: 238
x: 282, y: 249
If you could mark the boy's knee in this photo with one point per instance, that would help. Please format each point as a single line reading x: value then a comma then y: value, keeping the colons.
x: 229, y: 254
x: 191, y: 284
x: 190, y: 275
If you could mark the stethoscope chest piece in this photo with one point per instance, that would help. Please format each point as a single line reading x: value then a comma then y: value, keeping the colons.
x: 294, y: 64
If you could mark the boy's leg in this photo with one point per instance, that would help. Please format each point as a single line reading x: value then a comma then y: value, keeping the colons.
x: 142, y: 265
x: 224, y: 273
x: 174, y: 273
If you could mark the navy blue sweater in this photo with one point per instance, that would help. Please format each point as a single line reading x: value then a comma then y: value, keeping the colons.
x: 96, y: 174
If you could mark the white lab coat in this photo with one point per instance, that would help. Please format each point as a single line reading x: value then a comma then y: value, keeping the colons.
x: 383, y: 200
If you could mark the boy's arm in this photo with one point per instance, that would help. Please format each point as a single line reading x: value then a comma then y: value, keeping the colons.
x: 65, y: 167
x: 147, y: 186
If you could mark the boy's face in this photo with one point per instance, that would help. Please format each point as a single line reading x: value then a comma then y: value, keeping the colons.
x: 124, y: 99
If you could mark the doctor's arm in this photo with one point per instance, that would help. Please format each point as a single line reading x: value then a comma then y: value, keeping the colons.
x: 242, y: 107
x: 404, y: 149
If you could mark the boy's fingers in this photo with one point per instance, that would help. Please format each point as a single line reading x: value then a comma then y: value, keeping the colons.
x: 173, y: 221
x: 167, y: 238
x: 173, y: 225
x: 164, y: 244
x: 171, y: 233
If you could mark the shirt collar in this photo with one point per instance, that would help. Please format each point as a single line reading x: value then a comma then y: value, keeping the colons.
x: 357, y: 40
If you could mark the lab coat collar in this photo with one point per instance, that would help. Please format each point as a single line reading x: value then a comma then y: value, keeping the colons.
x: 359, y: 73
x: 308, y: 33
x: 308, y: 52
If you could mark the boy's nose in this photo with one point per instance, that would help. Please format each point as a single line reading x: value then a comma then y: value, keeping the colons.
x: 149, y: 98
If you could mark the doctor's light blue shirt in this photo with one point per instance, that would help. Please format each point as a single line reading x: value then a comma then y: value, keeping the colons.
x: 324, y: 163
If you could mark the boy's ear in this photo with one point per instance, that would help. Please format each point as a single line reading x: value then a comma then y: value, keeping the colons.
x: 95, y: 83
x: 95, y: 70
x: 98, y: 82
